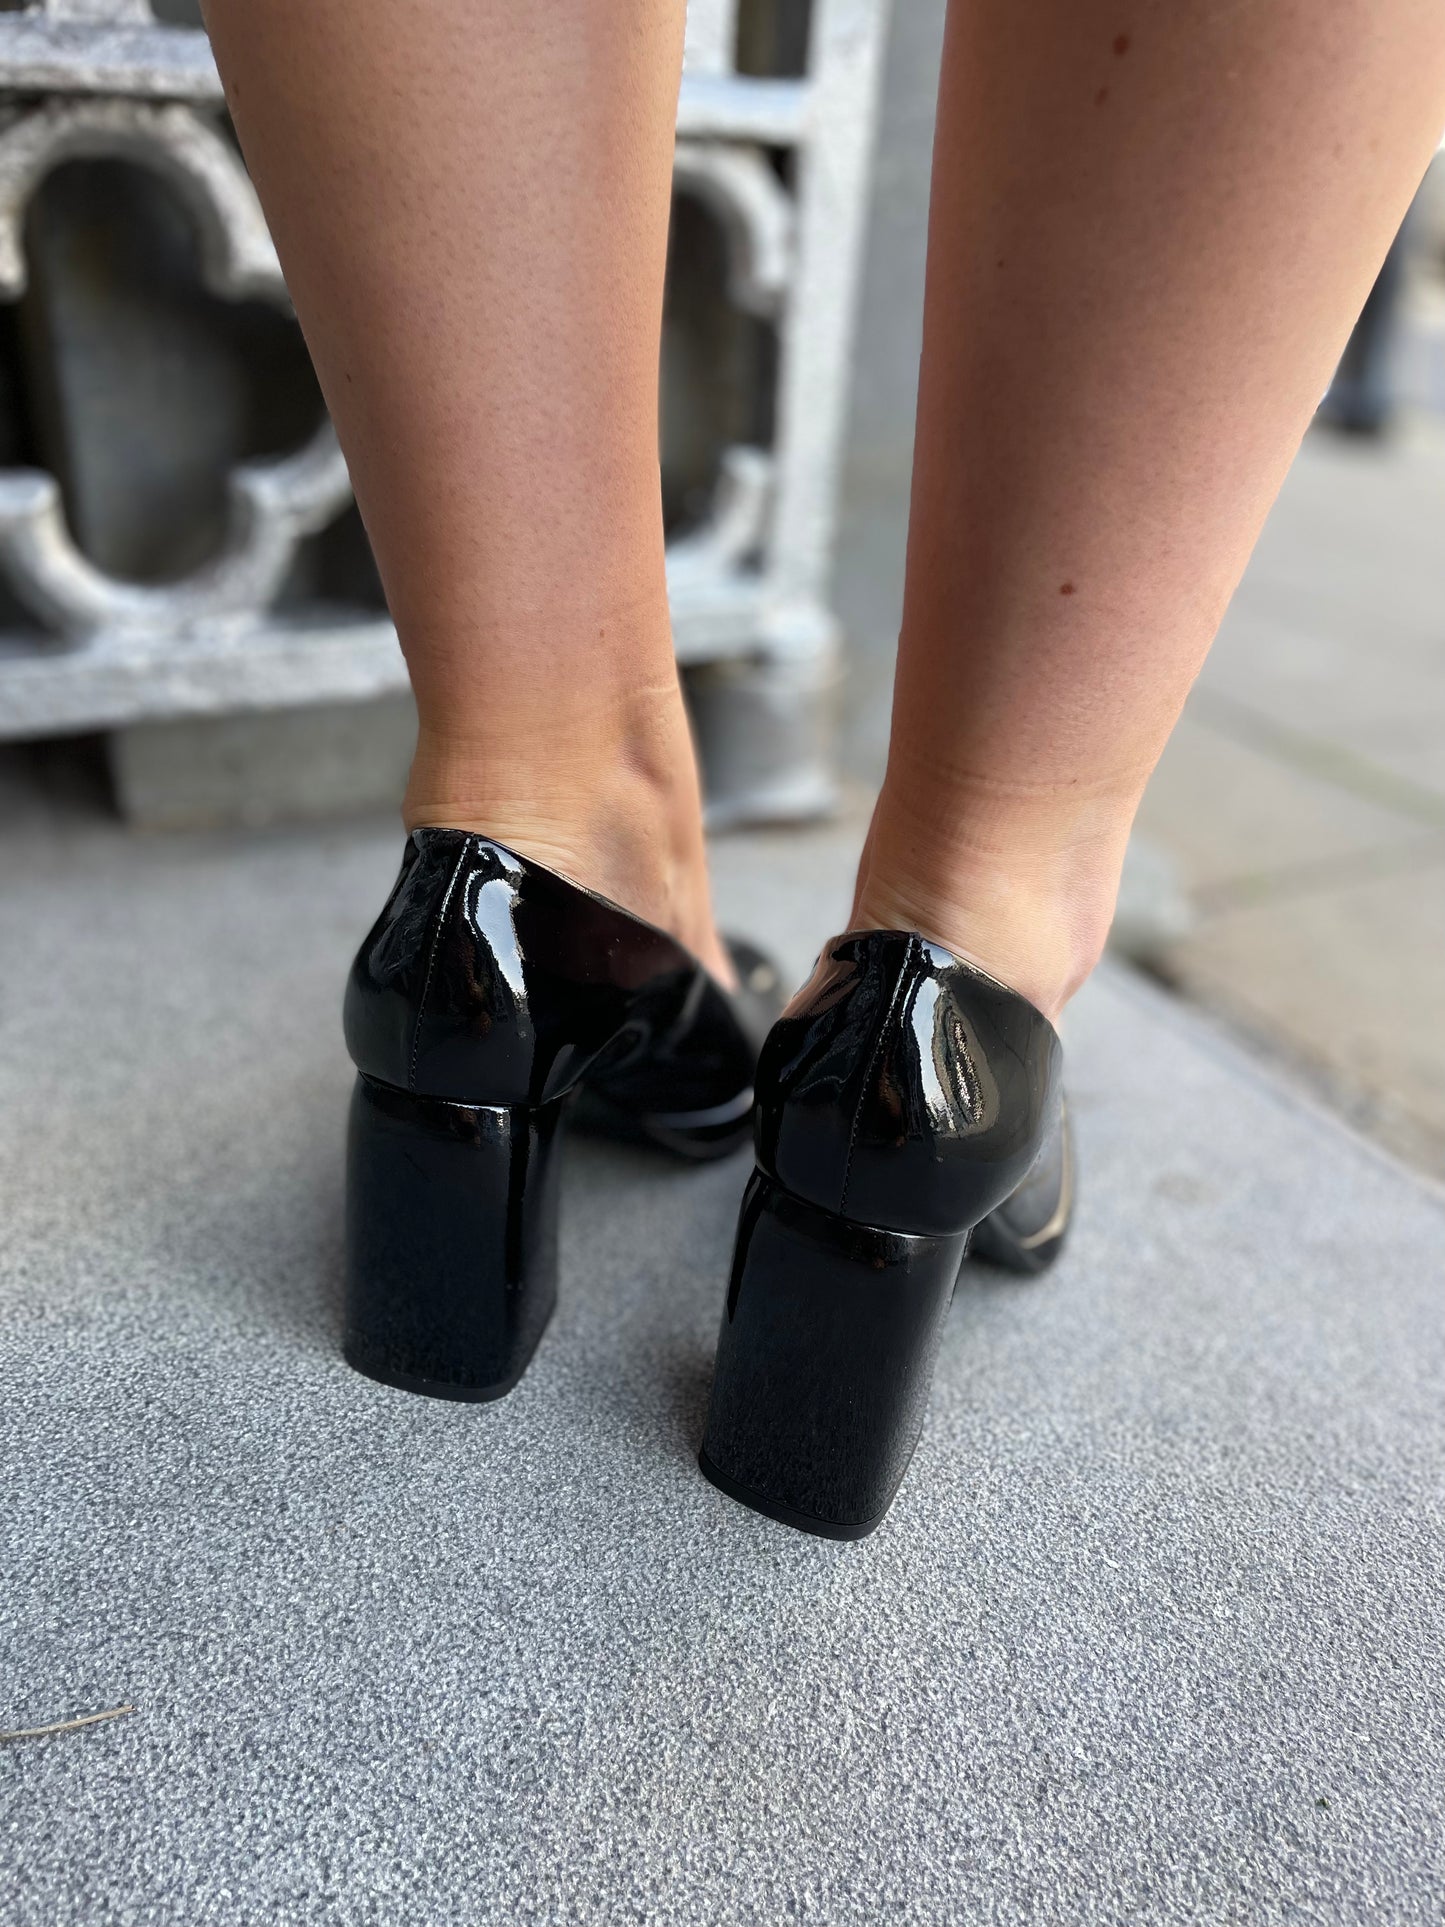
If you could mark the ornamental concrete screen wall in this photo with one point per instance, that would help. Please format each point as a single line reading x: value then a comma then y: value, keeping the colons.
x: 177, y: 536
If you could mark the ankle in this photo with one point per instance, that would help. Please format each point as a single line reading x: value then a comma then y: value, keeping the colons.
x: 981, y: 920
x: 616, y: 809
x: 1033, y: 910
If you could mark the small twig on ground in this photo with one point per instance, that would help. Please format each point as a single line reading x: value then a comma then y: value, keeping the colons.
x: 64, y: 1726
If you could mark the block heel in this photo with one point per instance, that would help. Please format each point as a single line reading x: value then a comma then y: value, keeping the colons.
x: 824, y: 1362
x: 902, y: 1097
x: 451, y: 1240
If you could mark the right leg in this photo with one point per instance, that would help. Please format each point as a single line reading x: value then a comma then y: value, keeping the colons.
x: 470, y: 201
x: 1149, y: 235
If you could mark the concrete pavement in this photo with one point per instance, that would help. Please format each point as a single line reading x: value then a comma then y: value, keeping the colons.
x: 1153, y: 1634
x: 1303, y: 796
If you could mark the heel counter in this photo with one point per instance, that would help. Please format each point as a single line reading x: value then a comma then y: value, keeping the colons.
x: 904, y: 1088
x: 958, y: 1101
x: 436, y: 1002
x: 815, y: 1067
x: 386, y: 986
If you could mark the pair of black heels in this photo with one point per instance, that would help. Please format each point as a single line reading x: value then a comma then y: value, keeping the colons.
x: 903, y: 1101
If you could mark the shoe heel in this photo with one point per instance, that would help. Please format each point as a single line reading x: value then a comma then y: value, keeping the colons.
x: 451, y: 1240
x: 824, y: 1362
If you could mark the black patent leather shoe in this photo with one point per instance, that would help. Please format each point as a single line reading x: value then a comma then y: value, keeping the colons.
x: 903, y: 1097
x: 490, y: 993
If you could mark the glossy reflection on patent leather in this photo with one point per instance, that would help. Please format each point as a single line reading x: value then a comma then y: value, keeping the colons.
x: 491, y: 997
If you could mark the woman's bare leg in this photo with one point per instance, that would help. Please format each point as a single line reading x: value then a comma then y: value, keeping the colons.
x: 470, y: 200
x: 1152, y: 226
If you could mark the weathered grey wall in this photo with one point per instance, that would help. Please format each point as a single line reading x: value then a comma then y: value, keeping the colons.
x: 132, y: 605
x: 868, y: 580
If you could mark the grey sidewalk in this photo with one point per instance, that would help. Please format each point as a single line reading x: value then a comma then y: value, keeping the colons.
x: 1153, y: 1635
x: 1303, y: 795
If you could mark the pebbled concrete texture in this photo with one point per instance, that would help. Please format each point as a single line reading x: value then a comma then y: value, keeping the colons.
x: 1153, y: 1633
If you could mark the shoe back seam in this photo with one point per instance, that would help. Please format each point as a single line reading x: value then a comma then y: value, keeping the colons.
x: 883, y: 1032
x: 436, y: 938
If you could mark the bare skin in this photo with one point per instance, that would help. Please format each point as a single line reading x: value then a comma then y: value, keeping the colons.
x: 470, y: 201
x: 1152, y: 226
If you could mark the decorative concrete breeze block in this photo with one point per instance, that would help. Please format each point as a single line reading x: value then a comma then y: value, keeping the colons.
x: 176, y: 531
